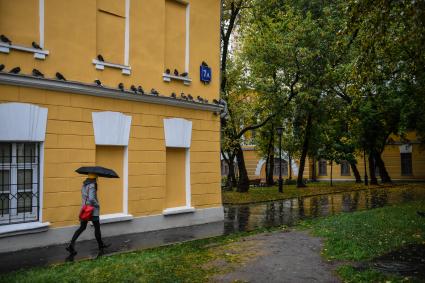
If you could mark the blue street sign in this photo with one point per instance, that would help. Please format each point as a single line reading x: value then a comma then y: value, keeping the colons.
x: 205, y: 74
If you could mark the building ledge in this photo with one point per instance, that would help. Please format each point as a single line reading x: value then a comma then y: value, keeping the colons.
x: 100, y: 65
x: 116, y: 217
x: 178, y: 210
x: 23, y: 228
x: 169, y: 78
x: 91, y: 89
x: 38, y: 53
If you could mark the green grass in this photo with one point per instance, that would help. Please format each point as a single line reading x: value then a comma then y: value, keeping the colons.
x: 185, y: 262
x: 364, y: 235
x: 262, y: 194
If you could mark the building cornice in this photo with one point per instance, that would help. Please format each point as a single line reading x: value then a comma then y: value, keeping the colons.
x: 89, y: 89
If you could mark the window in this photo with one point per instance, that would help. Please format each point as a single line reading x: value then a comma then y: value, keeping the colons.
x: 112, y: 34
x: 345, y: 168
x: 406, y: 164
x: 23, y: 22
x: 322, y: 167
x: 19, y: 182
x: 176, y: 54
x: 276, y: 167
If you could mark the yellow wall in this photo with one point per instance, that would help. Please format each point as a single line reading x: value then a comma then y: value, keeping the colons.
x: 70, y: 144
x: 110, y: 191
x: 20, y: 26
x: 71, y: 36
x: 176, y: 177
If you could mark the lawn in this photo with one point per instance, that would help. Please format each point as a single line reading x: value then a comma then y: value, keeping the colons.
x: 262, y: 194
x: 364, y: 235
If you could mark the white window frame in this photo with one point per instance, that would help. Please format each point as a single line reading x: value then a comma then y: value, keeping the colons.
x: 38, y: 53
x: 125, y: 68
x: 13, y: 167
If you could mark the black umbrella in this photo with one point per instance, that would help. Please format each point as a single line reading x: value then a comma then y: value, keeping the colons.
x: 98, y: 170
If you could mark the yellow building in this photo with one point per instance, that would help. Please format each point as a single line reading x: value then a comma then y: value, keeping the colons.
x: 165, y: 149
x: 403, y: 161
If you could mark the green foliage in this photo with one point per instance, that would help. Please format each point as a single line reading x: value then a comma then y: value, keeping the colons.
x: 350, y: 275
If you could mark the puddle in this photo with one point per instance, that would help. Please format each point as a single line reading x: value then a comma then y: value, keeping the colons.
x: 288, y: 212
x: 408, y: 261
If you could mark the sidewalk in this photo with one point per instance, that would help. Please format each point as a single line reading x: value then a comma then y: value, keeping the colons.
x: 88, y: 249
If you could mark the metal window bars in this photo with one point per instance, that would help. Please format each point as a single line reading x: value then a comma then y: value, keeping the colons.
x: 19, y: 182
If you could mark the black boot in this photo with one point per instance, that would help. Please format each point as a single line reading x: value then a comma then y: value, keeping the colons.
x: 71, y: 250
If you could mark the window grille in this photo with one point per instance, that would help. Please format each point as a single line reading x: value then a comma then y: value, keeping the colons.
x: 19, y: 182
x: 276, y: 167
x: 345, y: 168
x: 406, y: 164
x: 322, y: 167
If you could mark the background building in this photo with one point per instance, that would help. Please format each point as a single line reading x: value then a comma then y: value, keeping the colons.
x: 166, y: 150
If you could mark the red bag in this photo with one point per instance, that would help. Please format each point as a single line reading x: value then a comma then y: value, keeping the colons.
x: 86, y: 212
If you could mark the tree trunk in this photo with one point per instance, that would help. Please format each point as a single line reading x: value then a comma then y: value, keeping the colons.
x: 385, y: 177
x: 373, y: 180
x: 270, y: 179
x: 290, y: 167
x: 231, y: 179
x: 300, y: 181
x: 270, y: 160
x: 332, y: 163
x: 243, y: 184
x: 356, y: 172
x: 313, y: 170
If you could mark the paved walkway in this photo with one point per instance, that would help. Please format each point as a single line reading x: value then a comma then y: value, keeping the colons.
x: 282, y: 257
x: 88, y: 249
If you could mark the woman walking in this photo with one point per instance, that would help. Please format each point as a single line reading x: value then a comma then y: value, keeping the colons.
x: 89, y: 197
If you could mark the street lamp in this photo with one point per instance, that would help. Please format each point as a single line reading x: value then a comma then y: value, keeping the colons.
x: 279, y: 132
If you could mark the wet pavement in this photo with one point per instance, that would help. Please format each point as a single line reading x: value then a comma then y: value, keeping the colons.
x: 288, y: 212
x: 237, y: 218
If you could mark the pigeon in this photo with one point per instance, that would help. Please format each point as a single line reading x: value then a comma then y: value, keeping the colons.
x: 205, y: 100
x: 15, y: 70
x: 60, y: 77
x: 134, y: 89
x: 1, y: 67
x: 200, y: 99
x: 185, y: 74
x: 421, y: 213
x: 35, y: 45
x: 4, y: 39
x: 154, y: 92
x: 121, y: 86
x: 176, y: 73
x: 183, y: 96
x: 190, y: 97
x: 37, y: 73
x: 215, y: 101
x: 167, y: 71
x: 98, y: 82
x: 204, y: 64
x: 140, y: 89
x: 173, y: 95
x: 100, y: 58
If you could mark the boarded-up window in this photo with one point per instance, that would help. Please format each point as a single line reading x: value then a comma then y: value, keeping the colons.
x: 322, y: 167
x: 406, y: 164
x: 19, y: 21
x: 345, y: 168
x: 176, y: 177
x: 110, y: 191
x: 110, y: 30
x: 175, y: 35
